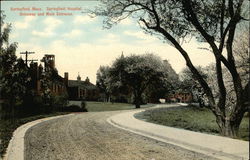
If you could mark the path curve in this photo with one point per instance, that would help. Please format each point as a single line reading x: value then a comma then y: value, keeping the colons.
x: 89, y: 136
x: 15, y: 148
x: 217, y: 146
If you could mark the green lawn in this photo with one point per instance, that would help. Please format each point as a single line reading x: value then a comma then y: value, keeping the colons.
x: 7, y: 128
x: 190, y: 118
x: 107, y: 106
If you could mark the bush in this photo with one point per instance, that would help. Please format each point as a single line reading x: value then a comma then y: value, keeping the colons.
x: 59, y: 102
x: 74, y: 108
x: 83, y: 106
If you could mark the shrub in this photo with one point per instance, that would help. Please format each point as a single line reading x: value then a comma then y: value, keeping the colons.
x: 83, y: 106
x: 74, y: 108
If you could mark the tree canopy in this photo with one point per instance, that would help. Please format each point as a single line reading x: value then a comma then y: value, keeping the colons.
x: 134, y: 75
x: 102, y: 81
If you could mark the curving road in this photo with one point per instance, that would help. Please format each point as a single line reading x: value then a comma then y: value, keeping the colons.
x: 88, y: 136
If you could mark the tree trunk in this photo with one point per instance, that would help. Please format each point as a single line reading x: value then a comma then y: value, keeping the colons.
x: 229, y: 125
x: 228, y: 128
x: 137, y: 105
x: 201, y: 105
x: 137, y: 100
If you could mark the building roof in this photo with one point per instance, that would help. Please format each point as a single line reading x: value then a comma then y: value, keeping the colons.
x: 84, y: 84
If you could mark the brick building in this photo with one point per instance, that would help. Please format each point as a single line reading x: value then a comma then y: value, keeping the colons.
x: 57, y: 83
x: 185, y: 97
x: 75, y: 89
x: 81, y: 90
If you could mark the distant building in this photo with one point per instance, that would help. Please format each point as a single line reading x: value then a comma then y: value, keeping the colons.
x: 185, y: 97
x: 75, y: 89
x: 57, y: 83
x: 81, y: 90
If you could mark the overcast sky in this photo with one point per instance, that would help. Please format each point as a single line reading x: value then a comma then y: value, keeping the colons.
x: 80, y: 44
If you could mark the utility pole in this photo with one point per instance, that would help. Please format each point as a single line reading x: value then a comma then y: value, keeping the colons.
x: 26, y: 56
x: 33, y: 60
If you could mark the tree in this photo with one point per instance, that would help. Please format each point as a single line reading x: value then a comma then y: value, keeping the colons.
x: 214, y: 22
x: 136, y: 74
x: 117, y: 86
x: 46, y: 84
x: 241, y: 49
x: 102, y: 81
x: 159, y: 90
x: 13, y: 72
x: 173, y: 78
x: 188, y: 83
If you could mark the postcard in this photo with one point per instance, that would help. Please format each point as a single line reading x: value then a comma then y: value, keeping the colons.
x: 124, y: 79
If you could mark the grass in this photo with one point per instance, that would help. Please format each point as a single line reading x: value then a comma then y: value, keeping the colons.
x: 190, y: 118
x: 7, y: 128
x: 107, y: 106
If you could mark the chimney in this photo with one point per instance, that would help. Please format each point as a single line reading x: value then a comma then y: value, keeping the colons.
x: 66, y: 78
x: 49, y: 61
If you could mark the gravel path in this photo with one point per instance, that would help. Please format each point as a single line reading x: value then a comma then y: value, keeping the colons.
x: 88, y: 136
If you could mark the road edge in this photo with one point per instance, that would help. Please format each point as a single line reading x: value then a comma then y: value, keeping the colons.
x: 202, y: 150
x: 15, y: 149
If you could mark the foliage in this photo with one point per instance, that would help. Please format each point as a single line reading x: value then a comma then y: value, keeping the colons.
x: 45, y: 87
x: 241, y: 51
x: 74, y: 108
x: 189, y: 84
x: 214, y: 22
x: 135, y: 74
x: 83, y: 106
x: 159, y: 90
x: 17, y: 91
x: 136, y: 79
x: 59, y: 102
x: 13, y: 73
x: 14, y: 82
x: 102, y: 81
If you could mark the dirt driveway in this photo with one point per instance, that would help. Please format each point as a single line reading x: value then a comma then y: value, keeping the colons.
x: 87, y: 136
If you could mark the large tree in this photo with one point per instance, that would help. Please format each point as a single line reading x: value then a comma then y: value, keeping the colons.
x: 13, y: 73
x: 102, y: 81
x: 159, y: 90
x: 137, y: 73
x: 212, y: 21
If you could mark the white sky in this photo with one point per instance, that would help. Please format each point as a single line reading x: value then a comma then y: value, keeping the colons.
x: 80, y: 44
